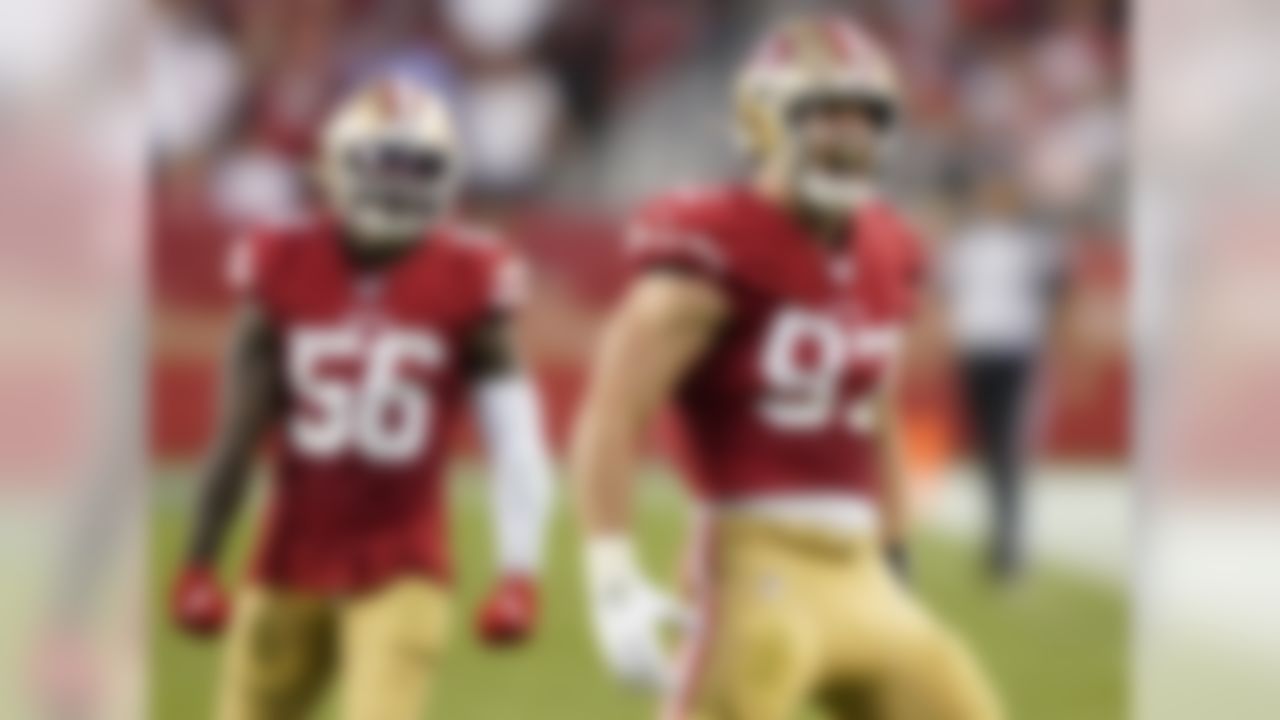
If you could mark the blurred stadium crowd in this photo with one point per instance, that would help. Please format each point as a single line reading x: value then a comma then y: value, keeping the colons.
x: 573, y: 110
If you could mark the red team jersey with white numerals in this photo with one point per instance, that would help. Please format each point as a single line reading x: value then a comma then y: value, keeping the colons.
x: 781, y: 403
x: 372, y: 370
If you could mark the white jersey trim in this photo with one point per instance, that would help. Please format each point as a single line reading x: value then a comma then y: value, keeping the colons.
x: 836, y: 513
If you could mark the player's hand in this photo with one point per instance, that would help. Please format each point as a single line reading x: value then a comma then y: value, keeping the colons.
x: 630, y: 616
x: 510, y: 613
x: 198, y: 602
x: 898, y: 558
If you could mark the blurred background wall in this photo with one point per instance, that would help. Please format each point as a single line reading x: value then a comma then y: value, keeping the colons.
x: 573, y: 110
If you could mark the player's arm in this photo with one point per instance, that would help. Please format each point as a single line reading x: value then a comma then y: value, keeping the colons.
x: 665, y: 323
x: 521, y: 488
x: 919, y: 320
x: 250, y: 401
x: 895, y: 491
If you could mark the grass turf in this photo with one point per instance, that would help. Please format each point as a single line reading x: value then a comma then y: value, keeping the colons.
x: 1056, y: 648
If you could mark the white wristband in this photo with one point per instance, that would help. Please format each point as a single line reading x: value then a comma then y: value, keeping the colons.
x: 611, y: 561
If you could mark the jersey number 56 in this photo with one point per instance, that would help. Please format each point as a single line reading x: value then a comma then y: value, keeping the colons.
x: 379, y: 412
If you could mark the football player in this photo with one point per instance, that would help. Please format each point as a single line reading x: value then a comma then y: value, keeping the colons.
x: 770, y: 313
x: 361, y: 337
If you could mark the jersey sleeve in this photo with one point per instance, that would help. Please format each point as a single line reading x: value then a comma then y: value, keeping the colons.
x: 500, y: 278
x: 673, y: 232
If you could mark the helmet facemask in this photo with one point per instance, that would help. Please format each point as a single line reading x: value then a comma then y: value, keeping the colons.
x: 391, y: 192
x: 833, y: 150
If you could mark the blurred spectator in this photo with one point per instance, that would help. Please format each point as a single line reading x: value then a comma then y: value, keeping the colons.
x: 1002, y: 279
x: 396, y: 38
x: 195, y: 79
x: 1073, y: 162
x: 498, y: 27
x: 256, y: 184
x: 295, y: 57
x: 511, y: 112
x: 510, y: 105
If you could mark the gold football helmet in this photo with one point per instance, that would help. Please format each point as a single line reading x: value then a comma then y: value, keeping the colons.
x: 389, y: 162
x: 804, y: 63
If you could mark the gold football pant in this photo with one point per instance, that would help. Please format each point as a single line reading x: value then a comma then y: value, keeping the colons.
x: 790, y: 617
x: 284, y: 647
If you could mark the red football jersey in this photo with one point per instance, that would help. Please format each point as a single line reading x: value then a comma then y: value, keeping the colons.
x: 371, y: 365
x: 782, y: 400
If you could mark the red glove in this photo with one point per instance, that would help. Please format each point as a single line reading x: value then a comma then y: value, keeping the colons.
x: 510, y: 613
x: 198, y: 603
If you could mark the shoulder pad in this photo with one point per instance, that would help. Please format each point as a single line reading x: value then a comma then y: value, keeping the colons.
x: 685, y: 228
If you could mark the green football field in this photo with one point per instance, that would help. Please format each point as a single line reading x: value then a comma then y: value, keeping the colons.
x: 1056, y: 647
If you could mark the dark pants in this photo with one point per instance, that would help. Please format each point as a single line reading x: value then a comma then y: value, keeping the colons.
x: 996, y: 388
